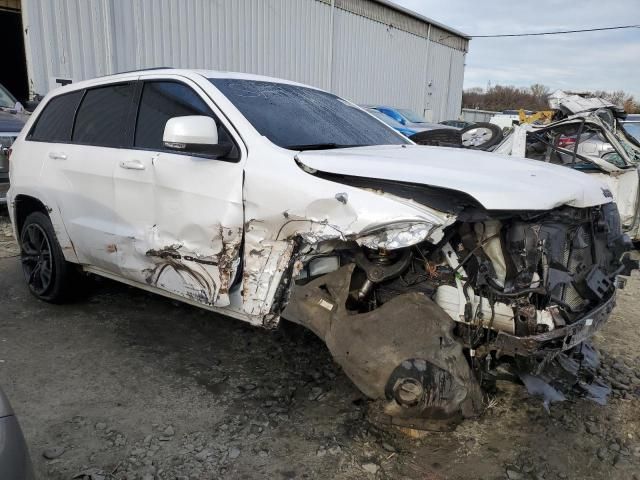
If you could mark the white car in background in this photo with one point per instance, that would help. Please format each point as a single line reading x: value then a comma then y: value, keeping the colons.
x: 264, y: 199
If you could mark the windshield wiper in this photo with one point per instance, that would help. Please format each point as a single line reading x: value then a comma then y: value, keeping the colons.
x: 320, y: 146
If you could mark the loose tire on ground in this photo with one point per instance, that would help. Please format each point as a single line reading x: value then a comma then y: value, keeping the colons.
x: 481, y: 136
x: 440, y: 137
x: 49, y: 276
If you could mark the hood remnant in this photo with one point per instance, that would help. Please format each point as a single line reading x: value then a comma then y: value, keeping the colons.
x: 494, y: 177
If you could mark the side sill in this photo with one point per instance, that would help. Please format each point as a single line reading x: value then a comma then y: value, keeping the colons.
x: 252, y: 319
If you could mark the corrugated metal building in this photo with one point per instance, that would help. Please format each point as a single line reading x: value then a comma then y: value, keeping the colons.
x: 367, y: 51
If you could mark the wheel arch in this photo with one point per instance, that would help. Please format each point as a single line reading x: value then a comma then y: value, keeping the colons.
x: 24, y: 204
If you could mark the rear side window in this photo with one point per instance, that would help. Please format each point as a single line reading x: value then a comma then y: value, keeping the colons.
x: 56, y: 120
x: 104, y: 116
x: 161, y: 101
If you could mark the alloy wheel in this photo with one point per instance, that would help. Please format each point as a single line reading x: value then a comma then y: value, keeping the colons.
x: 37, y: 259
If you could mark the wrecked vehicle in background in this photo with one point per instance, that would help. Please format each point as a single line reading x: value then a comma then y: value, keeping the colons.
x: 590, y: 138
x: 421, y: 268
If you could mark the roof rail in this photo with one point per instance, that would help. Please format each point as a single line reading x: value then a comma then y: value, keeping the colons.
x: 137, y: 70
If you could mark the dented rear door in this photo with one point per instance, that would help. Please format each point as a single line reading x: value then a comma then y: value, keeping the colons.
x: 181, y: 215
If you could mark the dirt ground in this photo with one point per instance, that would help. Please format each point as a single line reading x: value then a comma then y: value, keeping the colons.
x: 130, y: 385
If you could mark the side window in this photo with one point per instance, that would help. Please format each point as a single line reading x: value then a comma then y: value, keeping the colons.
x: 56, y: 120
x: 103, y: 116
x: 162, y: 100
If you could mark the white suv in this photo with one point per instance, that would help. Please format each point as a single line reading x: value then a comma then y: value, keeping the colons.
x: 262, y: 198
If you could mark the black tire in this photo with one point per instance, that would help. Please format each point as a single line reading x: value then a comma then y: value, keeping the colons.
x: 48, y: 275
x: 439, y: 137
x: 481, y: 136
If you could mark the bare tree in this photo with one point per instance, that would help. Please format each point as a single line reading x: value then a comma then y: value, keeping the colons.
x: 508, y: 97
x: 539, y: 91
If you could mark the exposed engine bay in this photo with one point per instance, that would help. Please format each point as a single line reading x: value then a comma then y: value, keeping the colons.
x: 423, y: 327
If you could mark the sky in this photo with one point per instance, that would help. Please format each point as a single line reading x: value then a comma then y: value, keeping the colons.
x: 608, y: 60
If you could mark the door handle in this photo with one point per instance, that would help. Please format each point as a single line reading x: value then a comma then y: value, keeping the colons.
x: 132, y: 164
x: 57, y: 156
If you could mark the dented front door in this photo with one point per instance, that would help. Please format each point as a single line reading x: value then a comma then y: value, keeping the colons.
x: 182, y: 215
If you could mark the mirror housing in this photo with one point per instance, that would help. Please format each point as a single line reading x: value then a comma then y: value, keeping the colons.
x: 197, y: 134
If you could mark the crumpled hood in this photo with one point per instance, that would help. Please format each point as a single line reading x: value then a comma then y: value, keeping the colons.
x: 495, y: 181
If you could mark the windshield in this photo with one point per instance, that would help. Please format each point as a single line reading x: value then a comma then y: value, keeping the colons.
x: 412, y: 116
x: 6, y: 99
x: 301, y: 118
x: 632, y: 129
x: 385, y: 118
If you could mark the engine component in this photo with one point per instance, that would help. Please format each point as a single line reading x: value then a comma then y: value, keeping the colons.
x: 501, y: 318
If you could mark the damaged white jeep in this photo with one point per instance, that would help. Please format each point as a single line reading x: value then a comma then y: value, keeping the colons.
x: 420, y: 267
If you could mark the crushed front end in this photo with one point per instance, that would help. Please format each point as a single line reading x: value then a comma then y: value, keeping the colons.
x: 420, y: 326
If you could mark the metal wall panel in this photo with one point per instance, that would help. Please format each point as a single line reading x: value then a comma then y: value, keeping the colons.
x: 65, y: 39
x: 284, y: 38
x: 375, y: 63
x: 445, y: 76
x: 79, y: 39
x: 309, y: 41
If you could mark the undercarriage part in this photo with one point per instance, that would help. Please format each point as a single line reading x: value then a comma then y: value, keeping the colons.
x: 381, y: 266
x: 574, y: 371
x: 403, y: 352
x: 556, y: 340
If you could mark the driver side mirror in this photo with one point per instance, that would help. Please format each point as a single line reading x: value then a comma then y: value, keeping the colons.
x: 195, y: 134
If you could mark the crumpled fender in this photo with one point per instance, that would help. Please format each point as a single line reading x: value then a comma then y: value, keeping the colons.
x: 403, y: 352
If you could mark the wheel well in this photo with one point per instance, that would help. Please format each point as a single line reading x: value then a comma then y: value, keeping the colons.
x: 26, y: 205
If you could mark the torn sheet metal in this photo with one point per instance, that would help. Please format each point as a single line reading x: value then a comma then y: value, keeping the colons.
x: 191, y: 267
x: 265, y: 262
x: 571, y: 104
x: 203, y: 278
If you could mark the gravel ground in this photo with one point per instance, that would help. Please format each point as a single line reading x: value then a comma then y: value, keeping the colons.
x: 128, y: 385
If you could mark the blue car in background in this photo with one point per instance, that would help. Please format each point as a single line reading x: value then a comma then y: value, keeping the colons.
x: 477, y: 136
x: 408, y: 118
x: 407, y: 132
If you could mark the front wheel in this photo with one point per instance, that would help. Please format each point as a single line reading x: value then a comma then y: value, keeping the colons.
x: 49, y: 276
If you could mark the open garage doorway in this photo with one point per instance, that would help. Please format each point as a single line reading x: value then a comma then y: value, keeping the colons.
x: 13, y: 71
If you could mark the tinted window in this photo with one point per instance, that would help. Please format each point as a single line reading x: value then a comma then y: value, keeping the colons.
x: 294, y: 117
x: 164, y: 100
x: 56, y: 120
x: 103, y: 116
